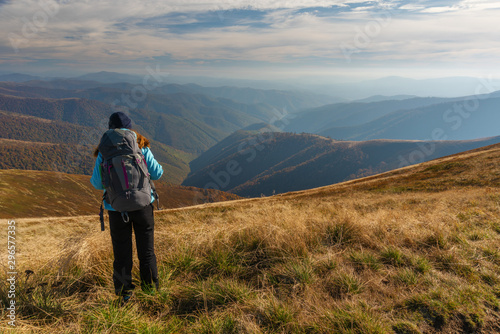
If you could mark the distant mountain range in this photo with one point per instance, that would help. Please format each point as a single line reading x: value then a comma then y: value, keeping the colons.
x: 461, y: 118
x: 455, y: 120
x: 343, y: 91
x: 229, y: 137
x: 180, y: 120
x: 18, y: 77
x: 278, y: 99
x: 262, y: 163
x: 379, y: 98
x: 319, y: 119
x: 394, y: 85
x: 190, y: 122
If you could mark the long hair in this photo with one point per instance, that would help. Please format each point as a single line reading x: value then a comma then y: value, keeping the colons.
x: 141, y: 142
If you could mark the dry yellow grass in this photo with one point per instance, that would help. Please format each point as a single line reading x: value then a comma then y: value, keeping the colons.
x: 411, y: 251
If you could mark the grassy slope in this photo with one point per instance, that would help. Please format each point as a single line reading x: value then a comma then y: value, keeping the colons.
x: 410, y: 251
x: 269, y: 163
x: 49, y: 194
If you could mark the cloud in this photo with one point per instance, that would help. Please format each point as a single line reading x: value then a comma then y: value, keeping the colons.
x: 200, y: 33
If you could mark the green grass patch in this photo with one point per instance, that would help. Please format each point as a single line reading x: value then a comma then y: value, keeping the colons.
x: 434, y: 308
x: 216, y: 324
x: 421, y: 264
x: 113, y: 318
x: 405, y: 327
x: 393, y: 256
x: 343, y: 284
x: 276, y: 316
x: 210, y: 294
x: 406, y: 276
x: 293, y: 272
x: 459, y: 166
x: 363, y: 260
x: 353, y: 320
x: 341, y: 234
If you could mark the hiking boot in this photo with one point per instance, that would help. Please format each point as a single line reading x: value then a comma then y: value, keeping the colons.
x: 126, y: 298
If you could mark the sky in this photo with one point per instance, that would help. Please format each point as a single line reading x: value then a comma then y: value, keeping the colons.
x: 252, y: 39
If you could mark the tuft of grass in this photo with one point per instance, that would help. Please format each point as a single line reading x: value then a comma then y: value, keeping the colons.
x: 492, y: 255
x: 437, y: 240
x: 113, y: 318
x: 477, y: 236
x: 434, y: 308
x: 490, y: 279
x: 495, y: 227
x: 276, y: 316
x: 294, y: 272
x: 393, y: 256
x: 210, y: 294
x: 216, y: 324
x: 405, y: 327
x: 182, y: 262
x: 325, y: 265
x: 353, y: 320
x: 421, y: 265
x: 450, y: 262
x: 344, y: 284
x: 363, y: 260
x: 223, y: 262
x: 341, y: 234
x: 406, y: 277
x: 473, y: 322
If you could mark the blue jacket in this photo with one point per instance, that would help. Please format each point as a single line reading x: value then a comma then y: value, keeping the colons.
x: 154, y: 168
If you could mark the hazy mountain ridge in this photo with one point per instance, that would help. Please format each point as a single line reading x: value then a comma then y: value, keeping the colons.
x: 455, y: 120
x: 198, y: 120
x: 184, y: 132
x: 278, y: 99
x: 395, y: 85
x: 285, y: 101
x: 74, y: 110
x: 321, y: 119
x: 379, y: 98
x: 268, y: 163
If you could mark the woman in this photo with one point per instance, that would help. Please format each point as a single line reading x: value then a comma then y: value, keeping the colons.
x: 141, y: 221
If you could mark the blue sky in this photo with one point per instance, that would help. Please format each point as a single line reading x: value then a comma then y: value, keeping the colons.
x: 256, y: 39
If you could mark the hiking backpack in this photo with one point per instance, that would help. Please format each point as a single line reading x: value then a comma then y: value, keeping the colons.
x: 124, y: 173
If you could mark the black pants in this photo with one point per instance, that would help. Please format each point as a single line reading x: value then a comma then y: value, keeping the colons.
x: 142, y: 221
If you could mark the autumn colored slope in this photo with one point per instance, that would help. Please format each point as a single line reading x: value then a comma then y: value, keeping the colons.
x: 415, y: 250
x: 29, y: 193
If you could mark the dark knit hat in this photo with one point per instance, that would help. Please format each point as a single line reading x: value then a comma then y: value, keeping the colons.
x: 119, y: 120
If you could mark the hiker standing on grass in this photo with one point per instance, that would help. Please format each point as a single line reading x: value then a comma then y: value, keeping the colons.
x: 110, y: 174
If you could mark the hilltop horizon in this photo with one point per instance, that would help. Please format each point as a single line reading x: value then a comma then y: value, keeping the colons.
x: 341, y: 88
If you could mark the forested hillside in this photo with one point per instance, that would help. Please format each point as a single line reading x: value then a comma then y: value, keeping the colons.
x: 266, y: 163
